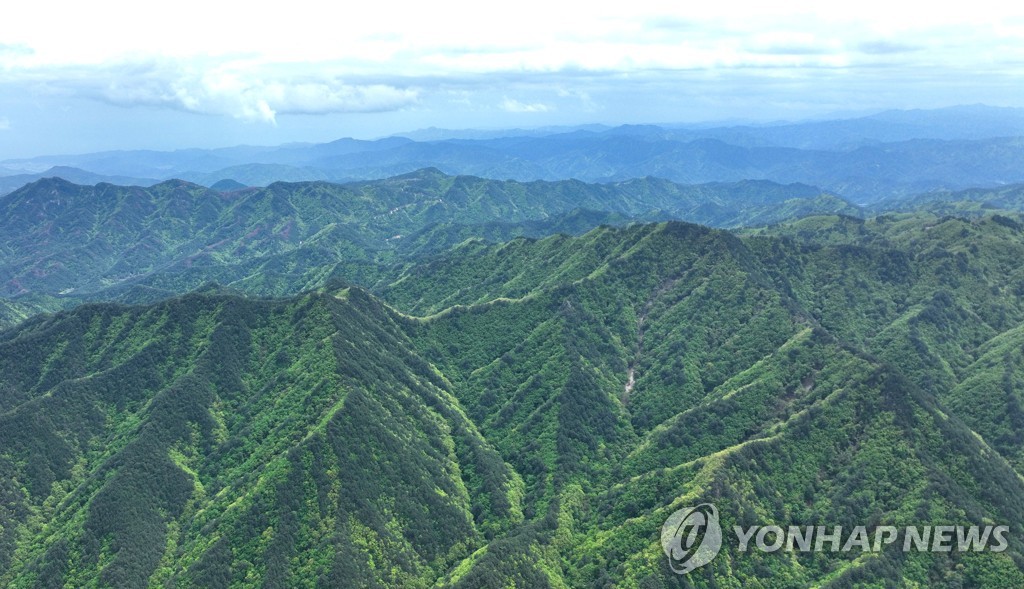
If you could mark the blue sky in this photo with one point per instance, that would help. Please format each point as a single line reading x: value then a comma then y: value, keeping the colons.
x: 89, y: 76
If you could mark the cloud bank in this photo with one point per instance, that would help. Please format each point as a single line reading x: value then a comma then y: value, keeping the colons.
x: 241, y: 93
x: 468, y: 63
x: 512, y: 105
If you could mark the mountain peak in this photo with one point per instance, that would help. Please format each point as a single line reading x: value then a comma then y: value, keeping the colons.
x: 47, y: 186
x: 175, y: 183
x: 428, y: 172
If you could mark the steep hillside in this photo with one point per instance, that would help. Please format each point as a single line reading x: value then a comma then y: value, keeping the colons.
x: 932, y: 296
x: 530, y: 417
x: 211, y: 441
x: 711, y: 367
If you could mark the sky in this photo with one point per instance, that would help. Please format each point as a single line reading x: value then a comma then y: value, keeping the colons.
x: 80, y: 77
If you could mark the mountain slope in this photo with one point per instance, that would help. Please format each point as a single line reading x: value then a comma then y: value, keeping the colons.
x: 651, y: 367
x: 960, y: 203
x: 11, y: 183
x: 63, y: 239
x: 159, y: 445
x: 529, y: 413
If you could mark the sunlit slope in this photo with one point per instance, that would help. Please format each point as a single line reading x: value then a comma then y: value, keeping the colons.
x: 627, y: 372
x: 528, y: 414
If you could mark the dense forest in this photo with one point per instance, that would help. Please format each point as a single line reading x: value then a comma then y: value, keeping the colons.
x: 441, y: 381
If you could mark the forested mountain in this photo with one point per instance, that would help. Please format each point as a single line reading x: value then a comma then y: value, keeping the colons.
x: 970, y: 202
x: 11, y: 183
x: 210, y: 440
x: 525, y: 413
x: 75, y: 242
x: 63, y: 244
x: 12, y: 313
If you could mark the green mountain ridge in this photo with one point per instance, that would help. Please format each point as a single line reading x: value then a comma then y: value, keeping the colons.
x: 961, y: 202
x: 89, y: 243
x: 529, y: 413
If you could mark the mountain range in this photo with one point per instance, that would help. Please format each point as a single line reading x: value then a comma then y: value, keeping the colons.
x: 529, y: 413
x: 441, y: 380
x: 71, y: 241
x: 866, y: 159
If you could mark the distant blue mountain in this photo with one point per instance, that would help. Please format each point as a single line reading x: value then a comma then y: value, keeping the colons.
x: 867, y: 159
x: 11, y: 183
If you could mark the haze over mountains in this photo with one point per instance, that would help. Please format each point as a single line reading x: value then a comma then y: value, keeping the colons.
x: 865, y: 159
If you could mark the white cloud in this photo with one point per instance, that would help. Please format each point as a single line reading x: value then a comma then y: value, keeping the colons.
x: 512, y: 105
x: 527, y: 36
x: 234, y: 90
x: 17, y: 49
x: 255, y: 65
x: 5, y: 124
x: 325, y: 97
